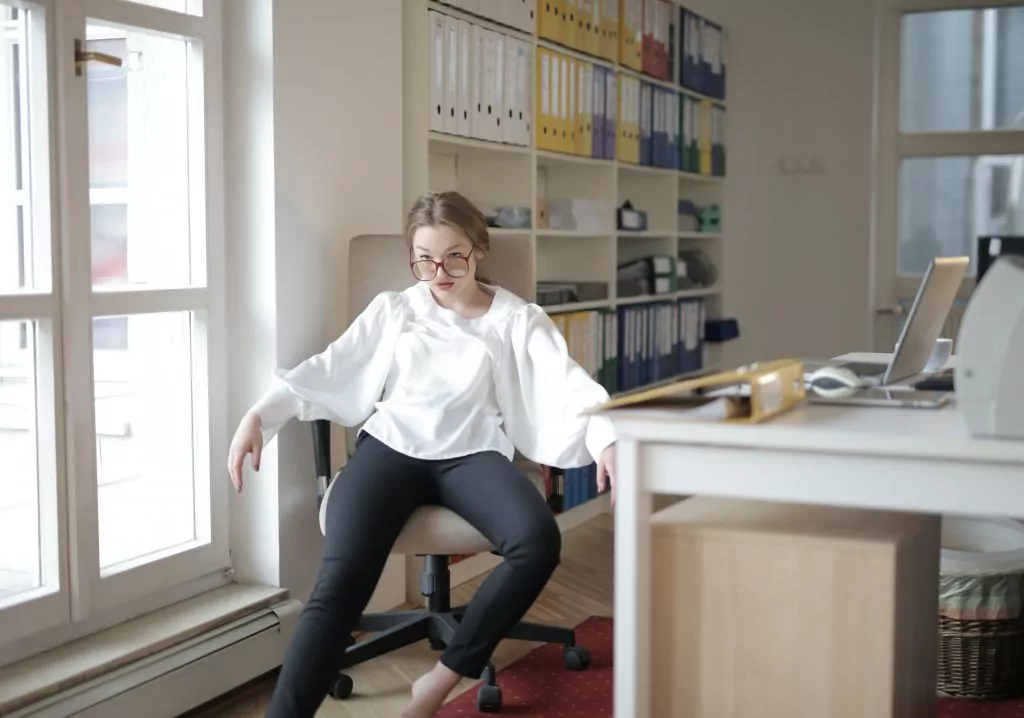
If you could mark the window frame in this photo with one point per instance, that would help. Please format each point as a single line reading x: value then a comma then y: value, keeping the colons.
x: 892, y: 146
x: 88, y: 599
x: 48, y: 606
x: 96, y: 592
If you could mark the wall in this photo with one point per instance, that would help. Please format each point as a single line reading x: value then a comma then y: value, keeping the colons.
x: 797, y: 247
x: 314, y: 158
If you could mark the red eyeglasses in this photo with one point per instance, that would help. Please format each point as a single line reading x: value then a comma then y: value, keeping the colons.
x: 426, y: 269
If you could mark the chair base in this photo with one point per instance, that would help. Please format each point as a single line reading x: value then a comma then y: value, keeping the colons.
x: 437, y: 624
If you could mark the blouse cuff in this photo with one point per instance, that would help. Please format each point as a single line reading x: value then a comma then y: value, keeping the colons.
x: 276, y: 409
x: 600, y: 434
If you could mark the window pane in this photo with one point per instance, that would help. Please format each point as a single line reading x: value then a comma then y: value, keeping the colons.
x: 146, y: 443
x: 192, y: 7
x: 19, y: 477
x: 946, y: 203
x: 145, y: 233
x: 23, y: 247
x: 961, y: 70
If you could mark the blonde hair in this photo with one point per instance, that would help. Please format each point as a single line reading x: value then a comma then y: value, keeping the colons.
x: 450, y: 209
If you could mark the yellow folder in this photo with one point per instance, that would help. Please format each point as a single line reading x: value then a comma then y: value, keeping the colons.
x: 549, y: 20
x: 574, y: 102
x: 704, y: 138
x: 585, y: 109
x: 570, y: 23
x: 631, y: 34
x: 564, y: 124
x: 590, y: 25
x: 748, y: 395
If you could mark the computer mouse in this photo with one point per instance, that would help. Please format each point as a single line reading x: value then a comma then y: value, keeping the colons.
x: 833, y: 381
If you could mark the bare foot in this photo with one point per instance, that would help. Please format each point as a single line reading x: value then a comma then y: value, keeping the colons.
x: 430, y: 691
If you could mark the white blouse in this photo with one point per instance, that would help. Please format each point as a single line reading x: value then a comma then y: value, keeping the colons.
x: 432, y: 384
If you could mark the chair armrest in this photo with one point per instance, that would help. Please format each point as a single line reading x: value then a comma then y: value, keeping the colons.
x: 321, y: 457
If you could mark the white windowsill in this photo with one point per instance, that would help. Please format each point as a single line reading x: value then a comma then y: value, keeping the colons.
x: 87, y: 658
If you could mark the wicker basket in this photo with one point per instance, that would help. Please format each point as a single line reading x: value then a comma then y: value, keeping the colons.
x: 981, y: 609
x: 981, y: 660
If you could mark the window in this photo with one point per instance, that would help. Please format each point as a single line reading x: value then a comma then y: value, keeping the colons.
x: 111, y: 306
x: 961, y: 120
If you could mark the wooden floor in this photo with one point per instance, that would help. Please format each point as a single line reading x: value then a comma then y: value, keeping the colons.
x: 580, y: 588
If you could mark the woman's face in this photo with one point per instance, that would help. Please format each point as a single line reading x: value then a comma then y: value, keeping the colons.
x: 448, y: 245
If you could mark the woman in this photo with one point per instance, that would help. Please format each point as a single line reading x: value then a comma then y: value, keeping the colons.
x: 450, y: 376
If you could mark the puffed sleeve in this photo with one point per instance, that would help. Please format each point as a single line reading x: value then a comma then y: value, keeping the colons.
x: 343, y: 382
x: 542, y: 393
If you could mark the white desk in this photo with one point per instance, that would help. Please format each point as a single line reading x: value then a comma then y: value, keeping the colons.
x: 884, y: 458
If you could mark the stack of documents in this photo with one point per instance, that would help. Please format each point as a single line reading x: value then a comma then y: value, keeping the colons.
x: 702, y: 55
x: 587, y: 26
x: 636, y: 345
x: 657, y: 23
x: 576, y: 105
x: 479, y: 81
x: 579, y: 213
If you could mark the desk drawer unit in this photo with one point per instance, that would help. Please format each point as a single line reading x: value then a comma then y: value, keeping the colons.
x: 770, y: 610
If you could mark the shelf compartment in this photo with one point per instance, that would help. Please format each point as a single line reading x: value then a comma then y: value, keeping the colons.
x: 488, y: 179
x: 655, y: 194
x: 576, y: 259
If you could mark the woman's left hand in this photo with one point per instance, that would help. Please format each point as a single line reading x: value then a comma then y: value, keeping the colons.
x: 606, y: 470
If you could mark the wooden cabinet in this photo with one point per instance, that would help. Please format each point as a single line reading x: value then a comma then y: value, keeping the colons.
x: 770, y: 610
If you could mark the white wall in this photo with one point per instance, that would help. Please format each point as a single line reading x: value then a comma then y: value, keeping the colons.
x: 314, y: 158
x: 797, y: 247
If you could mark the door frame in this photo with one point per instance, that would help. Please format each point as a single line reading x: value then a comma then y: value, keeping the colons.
x: 887, y: 288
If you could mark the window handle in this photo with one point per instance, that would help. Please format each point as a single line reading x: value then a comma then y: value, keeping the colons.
x: 82, y: 57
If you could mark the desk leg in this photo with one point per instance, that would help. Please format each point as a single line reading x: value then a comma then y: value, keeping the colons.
x: 632, y: 585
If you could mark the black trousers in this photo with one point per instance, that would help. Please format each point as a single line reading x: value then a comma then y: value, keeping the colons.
x: 379, y: 490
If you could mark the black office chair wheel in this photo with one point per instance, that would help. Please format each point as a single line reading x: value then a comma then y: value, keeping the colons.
x: 576, y: 658
x: 342, y: 688
x: 488, y: 697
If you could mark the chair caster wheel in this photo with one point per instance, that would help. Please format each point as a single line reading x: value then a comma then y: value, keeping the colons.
x: 342, y: 688
x: 576, y: 658
x: 488, y: 699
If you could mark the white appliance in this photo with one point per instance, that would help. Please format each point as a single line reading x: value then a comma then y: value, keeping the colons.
x: 990, y: 353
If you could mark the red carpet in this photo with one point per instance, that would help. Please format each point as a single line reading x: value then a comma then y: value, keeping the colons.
x: 539, y: 685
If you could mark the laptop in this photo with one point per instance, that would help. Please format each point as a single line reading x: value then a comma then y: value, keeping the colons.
x: 935, y: 297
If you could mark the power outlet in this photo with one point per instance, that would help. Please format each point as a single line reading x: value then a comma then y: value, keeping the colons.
x: 805, y: 165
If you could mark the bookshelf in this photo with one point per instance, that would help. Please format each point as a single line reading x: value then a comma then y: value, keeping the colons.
x: 453, y: 139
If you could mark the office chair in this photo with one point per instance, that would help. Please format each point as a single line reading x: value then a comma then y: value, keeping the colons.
x: 437, y: 534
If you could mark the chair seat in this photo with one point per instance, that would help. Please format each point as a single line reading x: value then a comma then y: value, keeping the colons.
x: 433, y: 530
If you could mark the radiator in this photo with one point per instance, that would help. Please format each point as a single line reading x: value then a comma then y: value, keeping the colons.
x: 181, y: 677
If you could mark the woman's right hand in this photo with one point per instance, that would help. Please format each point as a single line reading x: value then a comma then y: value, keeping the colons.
x: 248, y: 439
